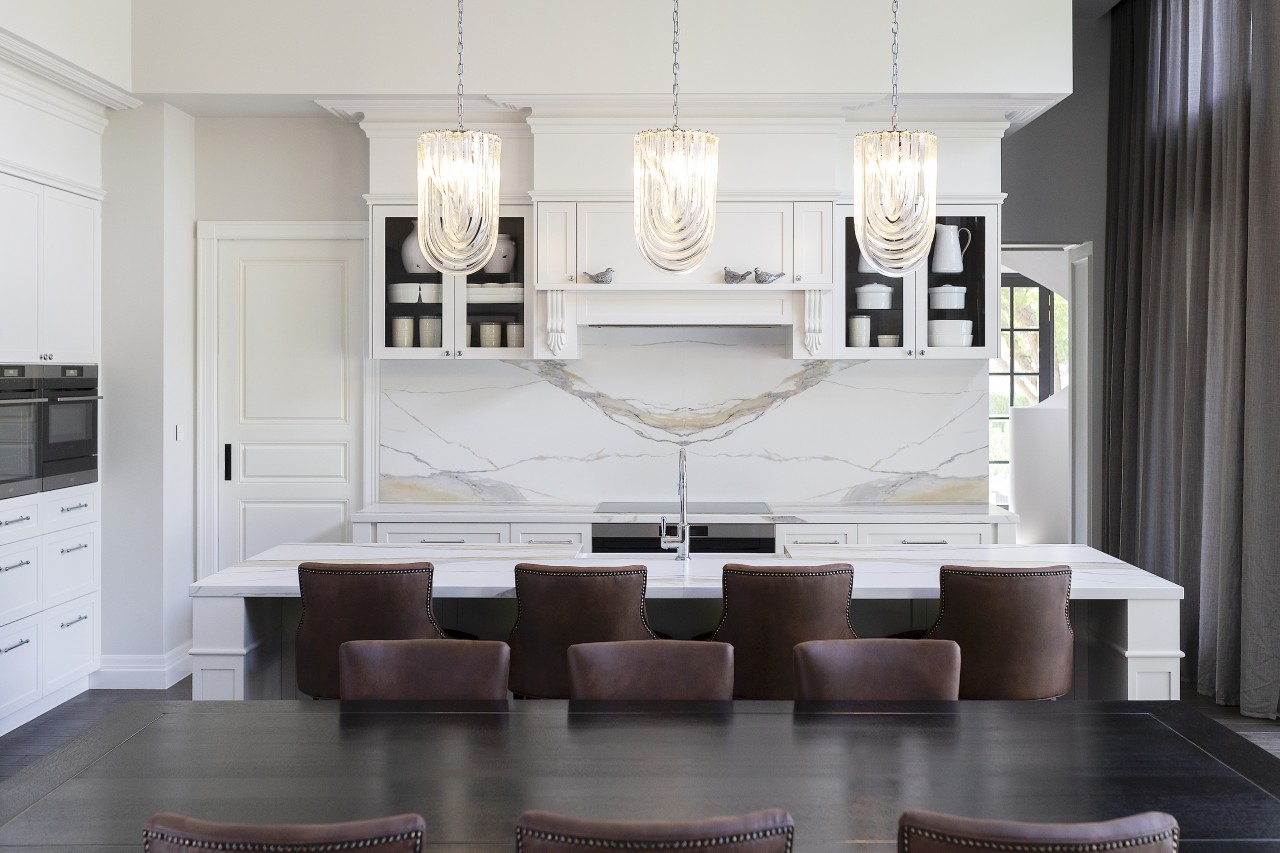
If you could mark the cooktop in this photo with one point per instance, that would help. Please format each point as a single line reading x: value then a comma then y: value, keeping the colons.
x: 698, y: 507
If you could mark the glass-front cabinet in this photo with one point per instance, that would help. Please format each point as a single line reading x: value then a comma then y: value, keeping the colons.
x: 419, y: 313
x: 946, y: 309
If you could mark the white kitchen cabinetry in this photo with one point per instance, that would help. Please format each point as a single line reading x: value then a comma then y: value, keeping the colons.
x: 402, y: 298
x: 792, y: 241
x: 926, y: 534
x: 50, y: 580
x: 909, y: 311
x: 551, y: 534
x: 49, y: 254
x: 445, y: 534
x: 814, y: 534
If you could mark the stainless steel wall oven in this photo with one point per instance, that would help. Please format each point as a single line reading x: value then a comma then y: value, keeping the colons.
x: 20, y: 420
x: 69, y: 432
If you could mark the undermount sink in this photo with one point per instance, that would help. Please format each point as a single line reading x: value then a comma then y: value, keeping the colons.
x: 695, y: 508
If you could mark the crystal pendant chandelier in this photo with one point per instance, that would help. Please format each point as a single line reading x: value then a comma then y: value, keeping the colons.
x: 458, y: 176
x: 675, y: 185
x: 895, y: 190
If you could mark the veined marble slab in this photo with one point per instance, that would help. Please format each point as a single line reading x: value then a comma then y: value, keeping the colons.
x: 880, y: 572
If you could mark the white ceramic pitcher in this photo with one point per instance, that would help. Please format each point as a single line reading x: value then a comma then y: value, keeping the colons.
x: 948, y: 254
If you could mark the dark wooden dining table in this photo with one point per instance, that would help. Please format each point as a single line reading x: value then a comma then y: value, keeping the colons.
x: 844, y: 771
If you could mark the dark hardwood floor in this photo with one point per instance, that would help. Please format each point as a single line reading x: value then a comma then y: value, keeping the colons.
x: 31, y: 742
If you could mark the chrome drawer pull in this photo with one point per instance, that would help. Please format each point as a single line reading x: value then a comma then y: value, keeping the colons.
x: 818, y: 542
x: 443, y: 541
x: 925, y: 542
x: 72, y: 508
x: 80, y: 618
x: 16, y: 565
x: 551, y: 542
x: 14, y: 646
x: 79, y: 547
x: 17, y: 520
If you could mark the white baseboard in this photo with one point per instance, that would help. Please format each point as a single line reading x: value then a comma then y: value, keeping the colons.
x: 143, y: 672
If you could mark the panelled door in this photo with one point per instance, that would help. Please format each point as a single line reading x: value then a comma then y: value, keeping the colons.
x: 290, y: 350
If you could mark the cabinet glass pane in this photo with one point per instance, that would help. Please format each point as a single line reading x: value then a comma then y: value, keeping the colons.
x: 495, y: 294
x: 958, y: 259
x: 414, y: 291
x: 866, y: 297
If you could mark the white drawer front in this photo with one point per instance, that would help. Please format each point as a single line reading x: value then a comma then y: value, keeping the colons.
x: 924, y: 534
x: 68, y: 564
x: 68, y: 508
x: 445, y: 534
x: 69, y: 642
x: 19, y: 519
x: 19, y: 581
x: 19, y: 664
x: 550, y: 534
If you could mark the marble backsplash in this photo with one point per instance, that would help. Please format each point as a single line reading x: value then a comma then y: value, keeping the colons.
x: 757, y: 424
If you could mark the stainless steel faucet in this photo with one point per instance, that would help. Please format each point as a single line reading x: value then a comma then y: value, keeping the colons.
x: 681, y: 540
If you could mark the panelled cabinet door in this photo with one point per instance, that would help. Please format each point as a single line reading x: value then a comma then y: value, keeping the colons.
x: 813, y: 238
x: 68, y: 304
x: 969, y: 331
x: 19, y: 580
x: 557, y: 243
x: 69, y: 564
x: 749, y: 235
x: 19, y: 664
x: 464, y: 533
x: 19, y: 265
x: 70, y: 642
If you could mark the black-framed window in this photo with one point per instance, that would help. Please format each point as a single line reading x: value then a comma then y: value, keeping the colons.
x: 1030, y: 365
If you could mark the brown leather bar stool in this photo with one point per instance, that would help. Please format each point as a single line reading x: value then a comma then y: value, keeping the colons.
x: 1013, y: 630
x: 927, y: 832
x: 767, y: 610
x: 658, y: 670
x: 769, y: 831
x: 369, y: 601
x: 423, y: 670
x: 876, y: 669
x: 170, y: 833
x: 560, y: 606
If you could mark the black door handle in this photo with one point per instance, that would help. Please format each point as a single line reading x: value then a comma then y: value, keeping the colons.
x: 226, y: 462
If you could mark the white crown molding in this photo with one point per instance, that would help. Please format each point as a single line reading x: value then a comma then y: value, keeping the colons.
x: 702, y: 106
x: 49, y: 180
x: 441, y: 110
x: 411, y: 130
x: 756, y: 126
x: 46, y: 65
x: 34, y: 91
x: 606, y: 195
x: 224, y: 230
x: 995, y: 129
x: 370, y: 199
x: 1016, y: 110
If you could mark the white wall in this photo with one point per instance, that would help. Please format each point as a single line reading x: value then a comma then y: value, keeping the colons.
x: 407, y: 47
x: 148, y: 357
x: 96, y: 35
x: 280, y: 169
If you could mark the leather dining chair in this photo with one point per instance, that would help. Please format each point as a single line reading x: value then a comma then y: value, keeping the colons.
x: 769, y: 831
x: 657, y: 670
x: 170, y: 833
x: 767, y: 610
x: 423, y: 670
x: 358, y: 601
x: 877, y: 669
x: 561, y: 606
x: 927, y: 832
x: 1012, y: 627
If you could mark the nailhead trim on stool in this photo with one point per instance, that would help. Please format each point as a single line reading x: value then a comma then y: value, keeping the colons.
x: 690, y: 844
x: 1034, y: 847
x: 261, y: 847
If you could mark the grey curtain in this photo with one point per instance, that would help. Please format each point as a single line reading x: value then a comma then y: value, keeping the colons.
x: 1192, y: 328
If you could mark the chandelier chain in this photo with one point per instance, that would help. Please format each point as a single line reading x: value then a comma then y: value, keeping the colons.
x: 459, y: 65
x: 675, y: 65
x: 894, y: 95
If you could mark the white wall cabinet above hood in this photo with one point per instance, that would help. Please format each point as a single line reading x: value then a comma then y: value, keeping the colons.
x: 788, y: 242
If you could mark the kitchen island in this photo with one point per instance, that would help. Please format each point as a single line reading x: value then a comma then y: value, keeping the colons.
x: 1125, y: 619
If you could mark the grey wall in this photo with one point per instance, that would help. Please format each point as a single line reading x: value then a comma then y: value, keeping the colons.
x: 1055, y: 173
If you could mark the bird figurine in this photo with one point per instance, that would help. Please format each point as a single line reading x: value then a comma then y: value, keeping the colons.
x: 605, y: 277
x: 766, y: 277
x: 731, y: 277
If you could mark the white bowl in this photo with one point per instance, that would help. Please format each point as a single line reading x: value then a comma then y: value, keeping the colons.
x: 874, y: 296
x: 947, y: 297
x: 950, y: 340
x: 951, y: 328
x: 403, y: 291
x: 432, y: 292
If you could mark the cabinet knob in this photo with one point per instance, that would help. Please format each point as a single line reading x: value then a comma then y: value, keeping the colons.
x: 799, y: 278
x: 911, y: 352
x: 570, y: 278
x: 921, y: 352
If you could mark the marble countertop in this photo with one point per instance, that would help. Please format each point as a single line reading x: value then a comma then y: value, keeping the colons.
x: 880, y: 572
x: 782, y: 514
